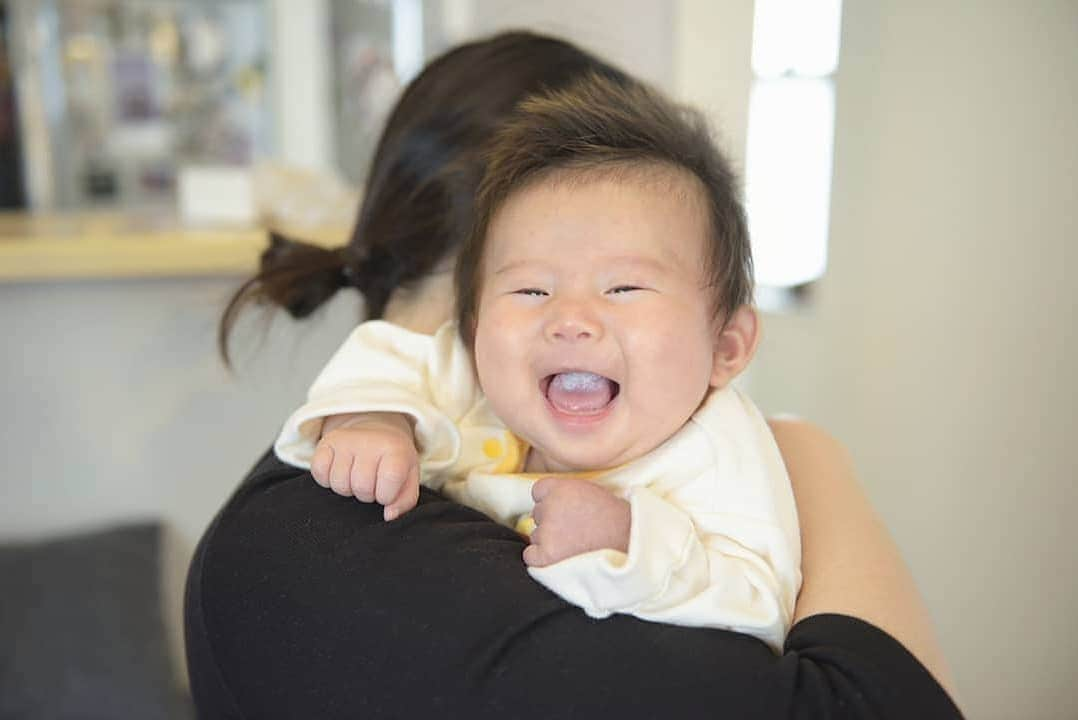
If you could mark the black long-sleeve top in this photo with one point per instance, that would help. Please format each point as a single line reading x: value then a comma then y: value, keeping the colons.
x: 303, y: 604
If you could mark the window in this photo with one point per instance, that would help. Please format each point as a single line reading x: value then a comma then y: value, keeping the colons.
x: 795, y: 50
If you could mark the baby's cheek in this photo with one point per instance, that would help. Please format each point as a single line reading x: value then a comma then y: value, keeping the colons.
x: 499, y: 378
x: 485, y: 354
x: 488, y: 364
x: 674, y: 368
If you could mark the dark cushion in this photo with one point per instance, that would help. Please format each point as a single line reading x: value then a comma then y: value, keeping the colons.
x: 81, y: 629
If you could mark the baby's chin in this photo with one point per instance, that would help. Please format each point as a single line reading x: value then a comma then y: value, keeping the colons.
x: 569, y: 462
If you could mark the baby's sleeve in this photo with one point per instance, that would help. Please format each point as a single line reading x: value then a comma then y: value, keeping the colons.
x: 713, y: 543
x: 382, y: 367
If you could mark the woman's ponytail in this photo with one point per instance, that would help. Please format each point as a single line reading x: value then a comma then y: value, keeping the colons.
x: 296, y: 276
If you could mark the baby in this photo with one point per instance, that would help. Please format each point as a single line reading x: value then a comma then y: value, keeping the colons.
x: 583, y: 395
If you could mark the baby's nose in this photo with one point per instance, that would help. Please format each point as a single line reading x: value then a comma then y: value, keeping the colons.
x: 573, y: 323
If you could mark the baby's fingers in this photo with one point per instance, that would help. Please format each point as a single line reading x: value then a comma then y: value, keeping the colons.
x: 407, y: 497
x: 363, y: 478
x: 340, y: 472
x: 393, y: 473
x: 321, y: 462
x: 536, y: 554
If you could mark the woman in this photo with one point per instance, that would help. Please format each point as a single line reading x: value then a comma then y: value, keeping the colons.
x: 297, y: 605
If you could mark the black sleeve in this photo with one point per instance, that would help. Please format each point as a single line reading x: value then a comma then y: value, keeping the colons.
x: 303, y: 604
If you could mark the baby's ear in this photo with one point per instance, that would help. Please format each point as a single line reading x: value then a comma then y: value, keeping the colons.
x: 735, y: 344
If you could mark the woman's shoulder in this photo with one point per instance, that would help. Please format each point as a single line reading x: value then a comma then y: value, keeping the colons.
x: 805, y: 444
x: 794, y: 430
x: 850, y: 563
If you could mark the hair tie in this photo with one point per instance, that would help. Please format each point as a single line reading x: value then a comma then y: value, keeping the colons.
x: 347, y: 276
x: 377, y: 271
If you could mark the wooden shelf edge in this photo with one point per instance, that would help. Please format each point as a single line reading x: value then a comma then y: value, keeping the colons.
x: 163, y: 254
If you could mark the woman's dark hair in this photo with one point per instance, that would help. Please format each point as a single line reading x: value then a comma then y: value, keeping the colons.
x: 418, y: 201
x: 601, y: 127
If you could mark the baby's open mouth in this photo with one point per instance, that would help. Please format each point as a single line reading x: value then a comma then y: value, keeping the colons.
x: 578, y: 392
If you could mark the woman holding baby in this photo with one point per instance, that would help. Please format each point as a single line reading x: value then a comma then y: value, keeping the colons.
x: 603, y: 294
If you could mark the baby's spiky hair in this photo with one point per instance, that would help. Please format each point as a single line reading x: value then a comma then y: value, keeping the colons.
x: 603, y: 128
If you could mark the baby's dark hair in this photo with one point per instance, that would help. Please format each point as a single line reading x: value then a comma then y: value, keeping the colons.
x: 419, y: 196
x: 603, y: 127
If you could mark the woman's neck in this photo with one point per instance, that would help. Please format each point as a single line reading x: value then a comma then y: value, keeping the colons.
x: 425, y: 306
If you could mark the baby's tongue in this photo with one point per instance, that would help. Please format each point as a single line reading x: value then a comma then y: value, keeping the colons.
x: 580, y: 392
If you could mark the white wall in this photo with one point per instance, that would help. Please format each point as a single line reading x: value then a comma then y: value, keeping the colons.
x: 712, y: 72
x: 634, y: 34
x: 116, y: 407
x: 940, y: 345
x: 302, y: 84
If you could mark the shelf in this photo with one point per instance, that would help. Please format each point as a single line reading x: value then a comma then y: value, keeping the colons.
x: 117, y: 245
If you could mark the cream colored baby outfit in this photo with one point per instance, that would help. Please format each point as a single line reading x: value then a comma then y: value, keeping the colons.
x: 714, y: 540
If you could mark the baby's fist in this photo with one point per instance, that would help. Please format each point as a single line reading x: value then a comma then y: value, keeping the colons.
x: 574, y: 517
x: 372, y: 457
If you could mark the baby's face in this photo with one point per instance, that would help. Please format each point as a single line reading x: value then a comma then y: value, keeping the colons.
x: 595, y: 337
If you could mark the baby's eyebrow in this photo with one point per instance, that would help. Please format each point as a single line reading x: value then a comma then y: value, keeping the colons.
x: 517, y: 264
x: 640, y: 261
x: 631, y: 260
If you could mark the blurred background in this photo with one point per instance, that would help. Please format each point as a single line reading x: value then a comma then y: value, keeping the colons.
x: 911, y: 173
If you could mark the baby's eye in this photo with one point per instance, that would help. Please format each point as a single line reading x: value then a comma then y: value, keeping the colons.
x: 622, y: 289
x: 532, y: 292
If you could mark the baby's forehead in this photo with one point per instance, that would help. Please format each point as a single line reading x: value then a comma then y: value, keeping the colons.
x: 646, y: 174
x: 657, y: 204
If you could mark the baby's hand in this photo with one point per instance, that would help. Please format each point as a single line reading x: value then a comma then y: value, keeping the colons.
x: 574, y: 517
x: 371, y: 456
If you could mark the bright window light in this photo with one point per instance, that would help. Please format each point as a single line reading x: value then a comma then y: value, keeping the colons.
x: 407, y: 39
x: 799, y: 37
x: 791, y: 128
x: 788, y: 178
